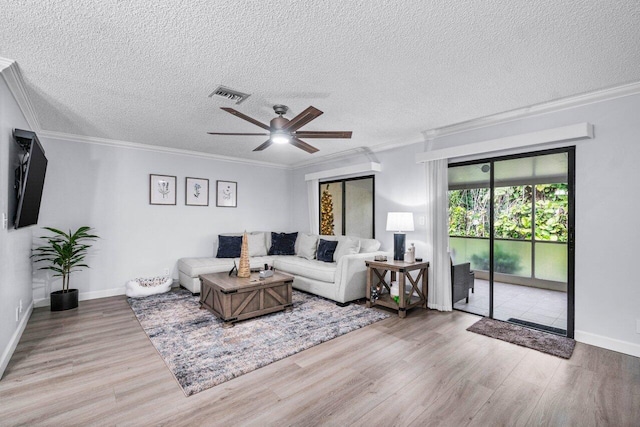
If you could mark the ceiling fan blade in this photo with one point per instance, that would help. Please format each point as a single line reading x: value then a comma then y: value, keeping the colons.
x: 224, y: 133
x: 264, y: 145
x: 303, y: 145
x: 321, y: 134
x: 245, y: 117
x: 302, y: 119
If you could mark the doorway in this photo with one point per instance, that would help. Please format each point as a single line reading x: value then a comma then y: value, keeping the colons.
x: 512, y: 219
x: 347, y: 207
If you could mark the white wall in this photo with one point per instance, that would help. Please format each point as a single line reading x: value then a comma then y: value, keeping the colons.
x: 607, y: 291
x: 15, y: 245
x: 399, y: 186
x: 607, y: 288
x: 107, y: 188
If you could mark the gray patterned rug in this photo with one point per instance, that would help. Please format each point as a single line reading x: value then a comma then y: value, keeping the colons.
x: 525, y: 337
x: 201, y: 354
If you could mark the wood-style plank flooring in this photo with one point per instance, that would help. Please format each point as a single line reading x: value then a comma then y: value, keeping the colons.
x: 95, y: 366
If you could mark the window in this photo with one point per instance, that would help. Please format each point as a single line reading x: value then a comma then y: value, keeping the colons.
x: 347, y: 207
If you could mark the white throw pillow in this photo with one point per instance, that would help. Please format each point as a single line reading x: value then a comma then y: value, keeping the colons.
x: 257, y: 244
x: 369, y: 245
x: 306, y: 246
x: 346, y: 246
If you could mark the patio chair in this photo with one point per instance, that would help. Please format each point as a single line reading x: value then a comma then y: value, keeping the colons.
x: 462, y: 279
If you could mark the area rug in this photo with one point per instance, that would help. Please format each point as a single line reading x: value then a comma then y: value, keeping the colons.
x: 201, y: 354
x: 538, y: 326
x: 525, y: 337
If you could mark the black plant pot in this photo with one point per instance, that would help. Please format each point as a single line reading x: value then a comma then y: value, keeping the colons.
x: 64, y: 300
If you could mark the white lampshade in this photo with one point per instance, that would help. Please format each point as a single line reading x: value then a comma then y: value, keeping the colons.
x: 400, y: 221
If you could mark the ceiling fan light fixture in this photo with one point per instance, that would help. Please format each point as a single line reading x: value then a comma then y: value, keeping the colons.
x: 285, y: 131
x: 280, y: 138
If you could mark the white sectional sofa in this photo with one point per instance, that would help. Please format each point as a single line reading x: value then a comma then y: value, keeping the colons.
x: 342, y: 280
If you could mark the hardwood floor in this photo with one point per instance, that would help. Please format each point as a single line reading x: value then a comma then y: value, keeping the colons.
x: 95, y: 366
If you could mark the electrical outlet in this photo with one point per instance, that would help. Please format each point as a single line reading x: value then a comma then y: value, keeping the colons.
x: 166, y: 271
x: 5, y: 220
x: 421, y: 220
x: 17, y: 315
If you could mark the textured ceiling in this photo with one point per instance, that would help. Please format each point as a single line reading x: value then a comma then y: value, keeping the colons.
x: 142, y: 71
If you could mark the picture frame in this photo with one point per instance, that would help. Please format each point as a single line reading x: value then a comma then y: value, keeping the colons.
x: 162, y: 189
x: 227, y: 194
x: 196, y: 191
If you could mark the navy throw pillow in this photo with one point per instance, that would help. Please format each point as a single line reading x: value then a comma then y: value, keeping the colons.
x: 283, y: 243
x: 229, y: 246
x: 326, y: 248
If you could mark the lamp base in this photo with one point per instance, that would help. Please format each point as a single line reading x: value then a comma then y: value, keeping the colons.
x: 398, y: 246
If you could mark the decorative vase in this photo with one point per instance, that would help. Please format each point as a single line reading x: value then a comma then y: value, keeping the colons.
x: 244, y: 269
x: 64, y: 300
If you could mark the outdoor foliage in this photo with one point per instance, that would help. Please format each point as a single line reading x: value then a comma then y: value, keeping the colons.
x: 469, y: 212
x: 504, y: 262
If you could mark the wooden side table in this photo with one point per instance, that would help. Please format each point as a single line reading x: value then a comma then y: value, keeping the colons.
x: 376, y: 274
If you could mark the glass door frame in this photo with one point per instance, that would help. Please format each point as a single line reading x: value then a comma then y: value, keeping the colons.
x: 343, y: 213
x: 570, y: 151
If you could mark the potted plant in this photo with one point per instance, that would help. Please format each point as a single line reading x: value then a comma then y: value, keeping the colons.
x: 65, y: 254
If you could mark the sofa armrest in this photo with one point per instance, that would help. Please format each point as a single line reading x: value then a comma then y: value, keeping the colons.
x: 351, y: 275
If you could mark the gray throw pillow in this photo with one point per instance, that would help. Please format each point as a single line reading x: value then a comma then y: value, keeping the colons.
x: 346, y: 246
x: 306, y: 246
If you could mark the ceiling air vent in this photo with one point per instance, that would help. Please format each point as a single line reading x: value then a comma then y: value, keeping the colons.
x: 230, y: 94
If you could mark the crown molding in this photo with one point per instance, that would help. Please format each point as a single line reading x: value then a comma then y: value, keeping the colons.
x: 155, y: 148
x: 367, y: 151
x: 329, y: 158
x: 13, y: 77
x: 564, y: 134
x: 579, y: 100
x: 347, y: 170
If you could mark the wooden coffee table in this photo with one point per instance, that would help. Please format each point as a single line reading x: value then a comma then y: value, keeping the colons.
x: 233, y: 298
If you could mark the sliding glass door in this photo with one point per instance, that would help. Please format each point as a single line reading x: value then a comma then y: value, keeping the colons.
x: 522, y: 255
x: 469, y: 227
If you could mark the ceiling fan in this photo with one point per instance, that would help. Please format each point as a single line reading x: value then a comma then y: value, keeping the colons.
x: 285, y: 131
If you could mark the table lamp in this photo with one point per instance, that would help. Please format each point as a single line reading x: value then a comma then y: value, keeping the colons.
x: 399, y: 222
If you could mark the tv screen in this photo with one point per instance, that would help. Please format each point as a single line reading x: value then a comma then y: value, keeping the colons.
x: 29, y: 178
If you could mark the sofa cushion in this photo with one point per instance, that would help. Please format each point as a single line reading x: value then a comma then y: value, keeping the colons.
x: 326, y: 250
x: 346, y: 246
x: 312, y: 269
x: 193, y: 267
x: 369, y: 245
x: 257, y: 244
x: 229, y: 246
x: 306, y: 245
x: 283, y: 243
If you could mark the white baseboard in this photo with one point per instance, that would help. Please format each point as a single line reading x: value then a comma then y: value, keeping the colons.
x: 13, y: 342
x: 608, y: 343
x: 83, y: 296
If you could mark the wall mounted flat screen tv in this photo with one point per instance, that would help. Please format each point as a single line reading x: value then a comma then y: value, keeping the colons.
x: 29, y: 178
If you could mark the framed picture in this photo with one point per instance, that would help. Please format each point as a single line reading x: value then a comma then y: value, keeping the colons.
x: 162, y: 189
x: 196, y: 192
x: 227, y: 194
